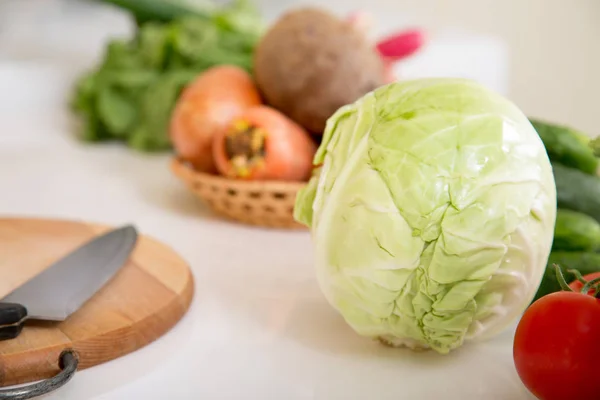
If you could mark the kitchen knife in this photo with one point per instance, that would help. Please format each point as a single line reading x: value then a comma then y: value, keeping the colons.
x: 62, y: 288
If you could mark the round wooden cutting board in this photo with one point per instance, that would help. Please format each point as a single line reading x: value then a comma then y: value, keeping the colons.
x: 147, y: 297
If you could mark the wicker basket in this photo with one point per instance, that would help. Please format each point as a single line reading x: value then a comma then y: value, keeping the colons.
x: 260, y: 203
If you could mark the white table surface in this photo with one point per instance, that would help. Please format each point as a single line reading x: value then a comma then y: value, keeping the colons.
x: 258, y: 327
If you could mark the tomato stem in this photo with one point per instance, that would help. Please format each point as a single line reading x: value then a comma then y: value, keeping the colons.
x: 561, y: 278
x: 578, y: 275
x: 587, y: 285
x: 591, y: 284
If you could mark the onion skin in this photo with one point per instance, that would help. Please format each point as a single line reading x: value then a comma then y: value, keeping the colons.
x: 288, y: 148
x: 206, y: 106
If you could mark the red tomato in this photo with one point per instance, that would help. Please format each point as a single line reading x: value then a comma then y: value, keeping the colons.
x: 557, y: 348
x: 577, y: 286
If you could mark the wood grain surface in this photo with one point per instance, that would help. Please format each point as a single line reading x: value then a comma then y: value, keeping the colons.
x: 147, y: 297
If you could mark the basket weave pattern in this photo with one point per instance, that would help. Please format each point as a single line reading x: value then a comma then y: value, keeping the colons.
x: 260, y: 203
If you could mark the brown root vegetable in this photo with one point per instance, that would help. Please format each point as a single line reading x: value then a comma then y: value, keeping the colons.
x: 263, y: 144
x: 310, y: 63
x: 205, y: 107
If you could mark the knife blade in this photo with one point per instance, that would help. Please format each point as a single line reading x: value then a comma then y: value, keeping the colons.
x: 66, y: 285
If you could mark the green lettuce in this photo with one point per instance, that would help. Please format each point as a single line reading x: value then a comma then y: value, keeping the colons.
x: 129, y: 96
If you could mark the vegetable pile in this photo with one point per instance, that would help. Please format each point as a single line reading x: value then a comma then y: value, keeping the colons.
x: 439, y: 211
x: 577, y: 230
x: 554, y: 346
x: 206, y: 106
x: 432, y: 210
x: 228, y: 95
x: 220, y: 125
x: 129, y: 96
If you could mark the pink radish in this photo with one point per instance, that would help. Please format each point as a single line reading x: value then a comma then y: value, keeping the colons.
x: 393, y: 47
x: 401, y: 45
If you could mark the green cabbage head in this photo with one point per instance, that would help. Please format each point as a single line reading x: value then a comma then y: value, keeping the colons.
x: 432, y: 210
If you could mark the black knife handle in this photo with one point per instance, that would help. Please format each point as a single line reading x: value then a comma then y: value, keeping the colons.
x: 12, y: 318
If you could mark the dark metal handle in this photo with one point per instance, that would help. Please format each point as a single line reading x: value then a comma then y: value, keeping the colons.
x: 12, y: 317
x: 68, y: 362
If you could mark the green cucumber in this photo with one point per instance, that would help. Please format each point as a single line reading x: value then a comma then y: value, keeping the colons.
x: 584, y: 262
x: 577, y: 191
x: 575, y: 231
x: 567, y: 146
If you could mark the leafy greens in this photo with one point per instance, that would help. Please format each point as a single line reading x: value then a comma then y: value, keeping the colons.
x: 130, y: 95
